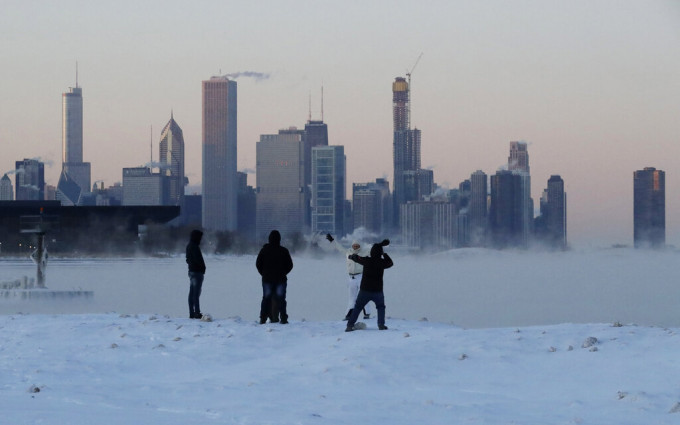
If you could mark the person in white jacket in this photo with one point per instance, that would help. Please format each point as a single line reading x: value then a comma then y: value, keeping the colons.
x: 354, y: 271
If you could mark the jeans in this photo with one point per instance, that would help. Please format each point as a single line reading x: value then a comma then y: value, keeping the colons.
x: 364, y: 298
x: 195, y: 284
x: 273, y: 301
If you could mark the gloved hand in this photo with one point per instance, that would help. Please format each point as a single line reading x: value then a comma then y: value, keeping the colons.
x: 352, y: 257
x: 329, y: 237
x: 385, y: 242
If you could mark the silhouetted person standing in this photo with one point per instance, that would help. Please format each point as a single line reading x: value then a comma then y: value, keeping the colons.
x: 371, y: 283
x: 274, y: 263
x: 196, y: 273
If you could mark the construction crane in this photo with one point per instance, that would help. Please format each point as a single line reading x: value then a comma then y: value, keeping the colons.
x: 408, y: 74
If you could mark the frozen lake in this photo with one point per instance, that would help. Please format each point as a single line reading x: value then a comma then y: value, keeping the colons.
x: 472, y: 288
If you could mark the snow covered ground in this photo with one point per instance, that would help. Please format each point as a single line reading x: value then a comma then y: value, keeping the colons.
x: 503, y: 343
x: 149, y: 369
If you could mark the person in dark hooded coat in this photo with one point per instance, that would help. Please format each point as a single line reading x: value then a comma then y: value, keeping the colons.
x: 196, y: 264
x: 371, y: 288
x: 274, y: 263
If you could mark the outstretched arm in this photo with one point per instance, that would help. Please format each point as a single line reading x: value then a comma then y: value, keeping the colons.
x: 388, y: 261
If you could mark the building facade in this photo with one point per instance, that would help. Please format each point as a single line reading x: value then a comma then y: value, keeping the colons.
x: 328, y: 189
x: 142, y: 187
x: 649, y: 208
x: 280, y: 197
x: 75, y: 170
x: 372, y: 206
x: 478, y: 212
x: 506, y: 210
x: 29, y: 180
x: 6, y: 189
x: 172, y: 161
x: 220, y: 181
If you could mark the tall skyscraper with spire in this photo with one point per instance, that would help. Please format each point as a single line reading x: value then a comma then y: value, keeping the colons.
x: 220, y: 178
x: 75, y: 174
x: 172, y: 157
x: 406, y: 147
x: 518, y: 163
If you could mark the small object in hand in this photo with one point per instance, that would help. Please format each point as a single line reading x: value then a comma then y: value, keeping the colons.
x: 329, y: 237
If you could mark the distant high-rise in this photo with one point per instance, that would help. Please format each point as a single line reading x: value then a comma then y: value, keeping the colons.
x: 74, y: 170
x: 172, y: 156
x: 406, y: 147
x: 649, y: 208
x: 142, y: 187
x: 506, y: 211
x: 315, y: 134
x: 478, y: 211
x: 6, y: 189
x: 518, y: 163
x: 328, y: 189
x: 552, y: 223
x: 30, y: 180
x: 372, y: 206
x: 279, y: 175
x: 220, y: 181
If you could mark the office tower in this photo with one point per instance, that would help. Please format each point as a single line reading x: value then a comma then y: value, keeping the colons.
x: 29, y: 180
x: 172, y: 160
x: 6, y: 189
x: 518, y: 160
x: 247, y: 210
x: 556, y: 212
x: 649, y: 208
x: 478, y: 210
x: 142, y: 187
x: 328, y: 189
x: 279, y: 180
x: 74, y: 171
x: 518, y: 163
x: 406, y: 147
x: 429, y: 224
x: 506, y: 210
x: 372, y: 206
x: 220, y: 181
x: 315, y: 134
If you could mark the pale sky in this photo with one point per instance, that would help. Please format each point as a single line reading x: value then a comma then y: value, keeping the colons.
x: 592, y: 86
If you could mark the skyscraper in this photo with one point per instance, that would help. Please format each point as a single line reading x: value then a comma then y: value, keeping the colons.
x: 506, y: 210
x: 649, y: 208
x: 478, y: 211
x: 75, y: 174
x: 518, y: 163
x: 280, y: 197
x: 551, y: 226
x: 372, y: 206
x: 30, y: 180
x: 6, y: 189
x: 328, y: 189
x: 172, y: 156
x: 406, y: 147
x: 220, y: 181
x: 315, y: 134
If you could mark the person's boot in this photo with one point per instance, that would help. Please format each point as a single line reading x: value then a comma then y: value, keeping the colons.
x: 349, y: 313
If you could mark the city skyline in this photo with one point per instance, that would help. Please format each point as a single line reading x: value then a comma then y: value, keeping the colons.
x: 591, y: 87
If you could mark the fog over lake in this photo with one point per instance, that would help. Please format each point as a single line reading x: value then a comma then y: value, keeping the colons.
x: 472, y: 288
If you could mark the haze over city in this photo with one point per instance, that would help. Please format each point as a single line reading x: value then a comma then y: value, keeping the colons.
x: 592, y: 87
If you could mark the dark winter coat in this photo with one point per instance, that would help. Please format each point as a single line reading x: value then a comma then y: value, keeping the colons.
x: 194, y: 256
x: 274, y: 262
x: 374, y: 267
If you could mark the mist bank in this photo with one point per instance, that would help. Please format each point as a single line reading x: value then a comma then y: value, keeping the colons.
x: 472, y: 288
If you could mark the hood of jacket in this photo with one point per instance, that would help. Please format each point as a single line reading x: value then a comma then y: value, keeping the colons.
x: 275, y: 237
x: 196, y: 236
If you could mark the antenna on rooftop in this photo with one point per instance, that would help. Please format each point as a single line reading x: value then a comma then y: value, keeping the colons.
x: 309, y: 118
x: 76, y: 74
x: 321, y: 102
x: 151, y: 143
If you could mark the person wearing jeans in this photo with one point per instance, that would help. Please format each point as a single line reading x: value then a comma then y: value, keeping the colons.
x: 194, y: 259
